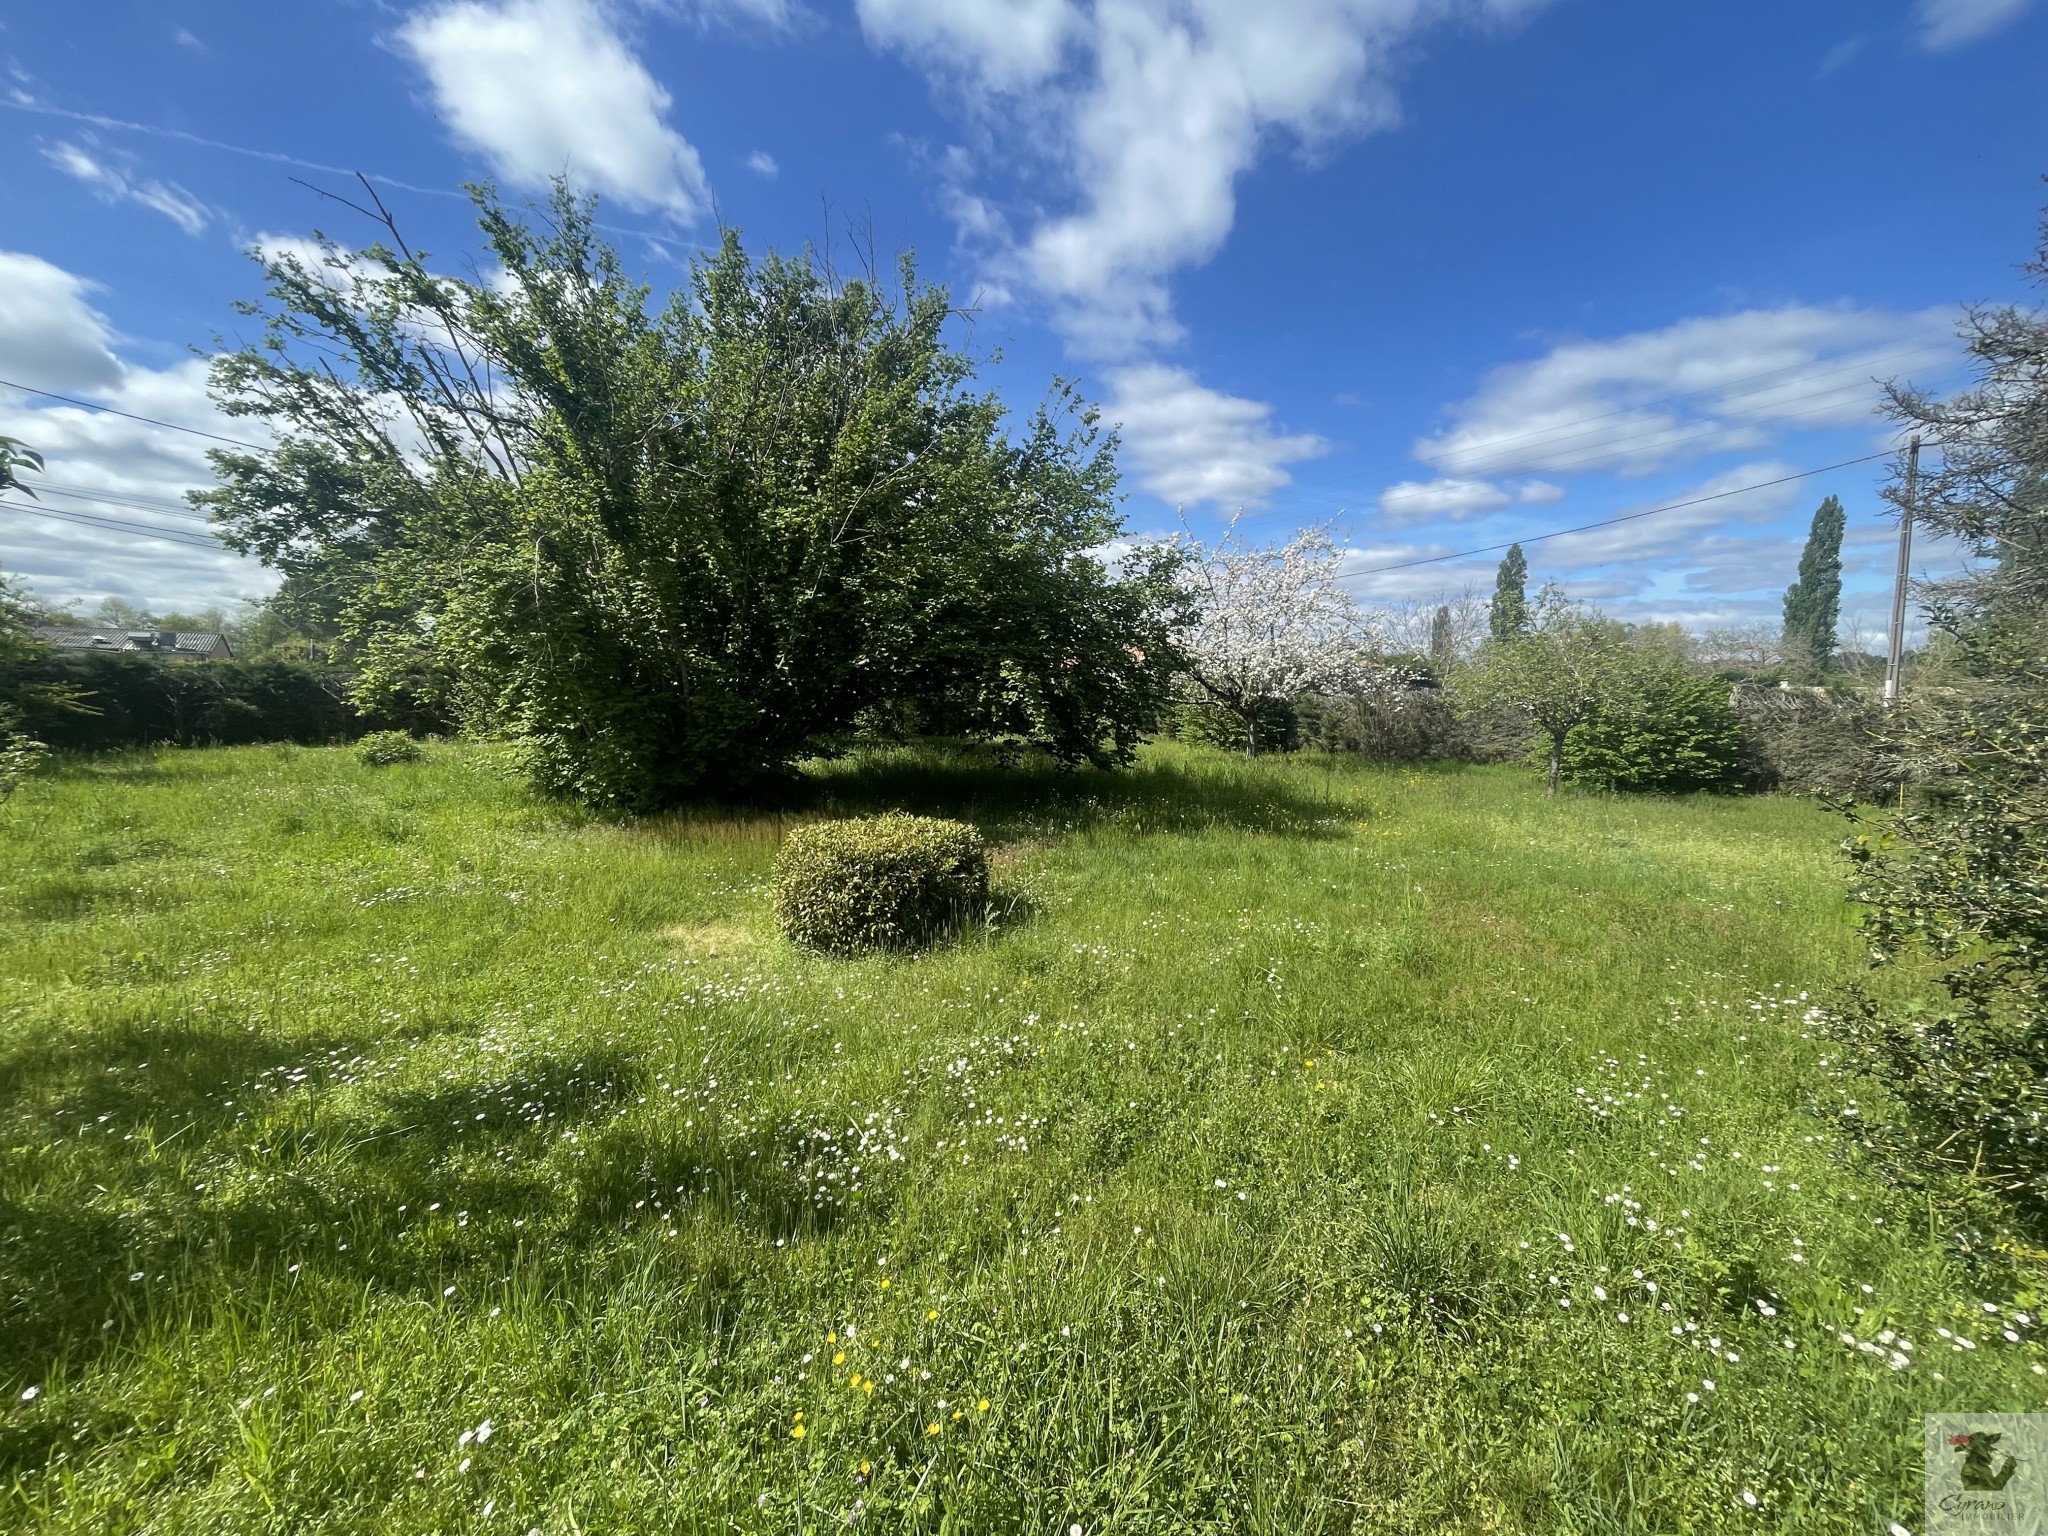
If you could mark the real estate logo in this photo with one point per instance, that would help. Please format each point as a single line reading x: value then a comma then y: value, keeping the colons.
x: 1987, y: 1472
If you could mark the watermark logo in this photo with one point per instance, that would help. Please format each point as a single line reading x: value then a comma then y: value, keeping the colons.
x: 1987, y: 1472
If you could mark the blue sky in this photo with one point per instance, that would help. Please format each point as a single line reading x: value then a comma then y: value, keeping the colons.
x: 1442, y: 272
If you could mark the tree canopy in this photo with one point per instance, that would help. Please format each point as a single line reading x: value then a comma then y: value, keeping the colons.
x: 1813, y: 603
x: 671, y: 550
x: 1509, y: 615
x: 1960, y: 872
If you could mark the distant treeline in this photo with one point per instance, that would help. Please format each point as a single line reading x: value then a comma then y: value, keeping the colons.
x: 143, y: 701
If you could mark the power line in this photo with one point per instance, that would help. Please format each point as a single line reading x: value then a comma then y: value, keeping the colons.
x: 131, y: 416
x: 1626, y: 517
x: 113, y: 525
x: 123, y: 500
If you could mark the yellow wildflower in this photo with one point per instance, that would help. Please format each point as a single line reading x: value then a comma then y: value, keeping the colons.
x: 982, y: 1406
x: 797, y: 1433
x: 932, y: 1428
x: 932, y: 1316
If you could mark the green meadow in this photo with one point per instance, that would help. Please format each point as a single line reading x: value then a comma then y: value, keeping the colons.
x: 1301, y: 1146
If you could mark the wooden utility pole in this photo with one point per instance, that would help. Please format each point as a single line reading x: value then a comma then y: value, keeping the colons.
x: 1897, y: 655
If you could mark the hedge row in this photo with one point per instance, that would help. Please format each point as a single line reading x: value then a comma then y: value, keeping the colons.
x: 144, y: 701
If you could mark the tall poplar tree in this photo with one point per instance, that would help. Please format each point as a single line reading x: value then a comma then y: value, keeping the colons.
x: 1510, y: 615
x: 1813, y: 603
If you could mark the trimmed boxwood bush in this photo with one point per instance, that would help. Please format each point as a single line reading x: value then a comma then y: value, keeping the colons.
x: 882, y: 882
x: 380, y: 749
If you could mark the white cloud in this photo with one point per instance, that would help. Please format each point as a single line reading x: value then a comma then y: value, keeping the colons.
x: 1946, y: 24
x: 761, y: 163
x: 1148, y: 111
x: 1675, y: 537
x: 1194, y: 444
x: 1709, y: 385
x: 543, y: 87
x: 52, y: 338
x: 1419, y: 500
x: 110, y: 184
x: 49, y: 330
x: 1005, y: 44
x: 1450, y: 497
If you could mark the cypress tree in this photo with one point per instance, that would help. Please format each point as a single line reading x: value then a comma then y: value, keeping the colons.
x: 1510, y: 613
x: 1813, y: 603
x: 1440, y: 640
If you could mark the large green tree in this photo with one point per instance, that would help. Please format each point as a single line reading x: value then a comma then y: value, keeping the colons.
x: 1509, y: 615
x: 1959, y: 872
x: 671, y: 550
x: 1813, y: 603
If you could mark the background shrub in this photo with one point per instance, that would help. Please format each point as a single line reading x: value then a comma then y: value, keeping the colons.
x: 146, y: 701
x: 1679, y: 734
x: 381, y: 749
x: 1811, y: 741
x: 882, y: 882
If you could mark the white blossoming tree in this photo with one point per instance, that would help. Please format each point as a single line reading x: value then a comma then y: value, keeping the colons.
x: 1274, y: 623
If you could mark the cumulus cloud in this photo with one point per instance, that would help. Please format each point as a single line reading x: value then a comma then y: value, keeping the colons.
x: 543, y: 87
x: 1147, y: 112
x: 103, y: 466
x: 1192, y: 444
x: 1635, y: 403
x: 1449, y: 497
x: 1946, y: 24
x: 1005, y: 44
x: 111, y: 183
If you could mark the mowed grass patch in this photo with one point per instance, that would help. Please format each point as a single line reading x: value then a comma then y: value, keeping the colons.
x: 1305, y: 1147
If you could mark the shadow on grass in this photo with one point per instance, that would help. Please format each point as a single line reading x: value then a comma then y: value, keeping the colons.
x: 395, y: 1191
x: 1012, y: 796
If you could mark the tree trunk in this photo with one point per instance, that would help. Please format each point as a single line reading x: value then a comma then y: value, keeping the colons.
x: 1556, y: 761
x: 1251, y: 734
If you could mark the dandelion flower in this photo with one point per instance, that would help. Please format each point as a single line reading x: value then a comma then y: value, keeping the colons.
x: 932, y: 1428
x: 885, y: 1285
x: 932, y: 1315
x: 797, y: 1432
x: 982, y: 1406
x: 840, y: 1358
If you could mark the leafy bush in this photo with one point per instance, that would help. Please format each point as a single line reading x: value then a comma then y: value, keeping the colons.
x: 1679, y: 734
x: 1200, y: 719
x: 381, y: 749
x: 81, y: 702
x: 1813, y: 742
x: 882, y: 882
x: 20, y: 756
x: 1958, y: 875
x: 1399, y: 725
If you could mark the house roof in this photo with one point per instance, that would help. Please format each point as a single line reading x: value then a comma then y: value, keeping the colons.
x: 160, y: 642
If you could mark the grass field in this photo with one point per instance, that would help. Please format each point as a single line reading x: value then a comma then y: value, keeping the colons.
x: 1307, y: 1147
